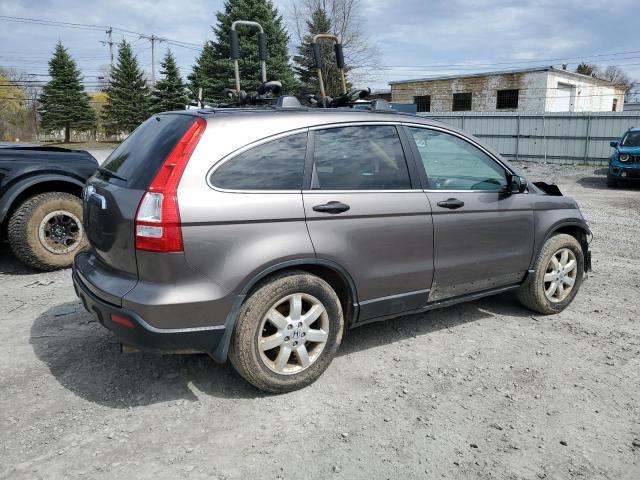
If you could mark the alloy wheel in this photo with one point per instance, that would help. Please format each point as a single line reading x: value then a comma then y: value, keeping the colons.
x: 560, y: 275
x: 293, y: 333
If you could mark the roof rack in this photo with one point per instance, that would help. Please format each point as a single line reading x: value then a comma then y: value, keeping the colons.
x: 267, y: 89
x: 267, y: 92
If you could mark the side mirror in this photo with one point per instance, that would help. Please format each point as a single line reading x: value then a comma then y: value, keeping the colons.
x: 613, y: 143
x: 516, y: 184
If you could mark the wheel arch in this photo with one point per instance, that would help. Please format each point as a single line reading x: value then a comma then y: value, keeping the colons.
x: 331, y: 272
x: 27, y: 188
x: 580, y: 231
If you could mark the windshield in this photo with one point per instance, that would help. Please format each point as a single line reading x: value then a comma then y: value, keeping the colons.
x: 631, y: 139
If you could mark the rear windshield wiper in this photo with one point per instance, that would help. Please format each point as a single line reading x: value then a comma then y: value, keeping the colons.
x: 111, y: 174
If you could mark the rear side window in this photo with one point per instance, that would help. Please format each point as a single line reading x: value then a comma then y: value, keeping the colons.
x: 360, y: 158
x: 139, y: 157
x: 275, y: 165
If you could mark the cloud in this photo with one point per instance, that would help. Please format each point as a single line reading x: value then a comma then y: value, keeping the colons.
x: 489, y: 34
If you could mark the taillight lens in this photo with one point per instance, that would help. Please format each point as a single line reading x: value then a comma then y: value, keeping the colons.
x: 158, y: 217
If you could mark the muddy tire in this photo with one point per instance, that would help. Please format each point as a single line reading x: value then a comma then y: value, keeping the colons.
x: 557, y: 276
x: 287, y: 332
x: 45, y: 231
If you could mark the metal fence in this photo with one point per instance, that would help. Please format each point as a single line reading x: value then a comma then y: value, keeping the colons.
x: 545, y: 137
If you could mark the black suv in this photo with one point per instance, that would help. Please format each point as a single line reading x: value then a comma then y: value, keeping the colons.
x: 40, y: 203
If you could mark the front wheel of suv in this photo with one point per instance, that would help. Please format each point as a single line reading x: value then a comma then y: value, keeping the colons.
x: 287, y: 332
x: 556, y: 277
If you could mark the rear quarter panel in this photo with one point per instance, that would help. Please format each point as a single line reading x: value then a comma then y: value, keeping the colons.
x: 232, y: 236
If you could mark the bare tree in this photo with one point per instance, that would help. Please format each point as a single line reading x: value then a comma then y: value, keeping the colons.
x: 618, y: 77
x: 27, y: 88
x: 361, y: 53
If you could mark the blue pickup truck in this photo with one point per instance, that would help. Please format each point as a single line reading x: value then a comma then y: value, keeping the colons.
x: 624, y: 164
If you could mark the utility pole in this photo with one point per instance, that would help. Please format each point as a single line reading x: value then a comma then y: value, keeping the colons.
x: 109, y: 42
x: 153, y: 39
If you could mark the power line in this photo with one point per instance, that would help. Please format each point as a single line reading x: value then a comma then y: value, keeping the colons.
x: 88, y: 26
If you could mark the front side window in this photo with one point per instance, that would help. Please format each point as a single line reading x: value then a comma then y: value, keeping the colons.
x: 275, y: 165
x: 360, y: 158
x: 452, y: 163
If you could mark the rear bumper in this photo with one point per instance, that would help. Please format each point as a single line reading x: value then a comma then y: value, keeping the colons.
x: 133, y: 331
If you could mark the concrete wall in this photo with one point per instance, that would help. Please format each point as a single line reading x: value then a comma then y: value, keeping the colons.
x: 538, y: 92
x: 483, y: 90
x: 587, y: 95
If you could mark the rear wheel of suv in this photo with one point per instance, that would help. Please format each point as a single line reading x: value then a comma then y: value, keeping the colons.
x: 45, y: 232
x: 287, y: 332
x: 556, y: 278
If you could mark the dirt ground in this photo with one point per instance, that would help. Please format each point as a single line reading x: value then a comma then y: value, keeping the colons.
x: 482, y: 390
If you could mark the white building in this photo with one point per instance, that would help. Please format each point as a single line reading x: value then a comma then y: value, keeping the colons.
x: 545, y: 89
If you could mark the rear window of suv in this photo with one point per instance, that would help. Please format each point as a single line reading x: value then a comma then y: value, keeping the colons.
x: 139, y: 157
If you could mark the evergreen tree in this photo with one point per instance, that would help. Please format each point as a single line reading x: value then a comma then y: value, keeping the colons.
x: 304, y: 66
x: 587, y: 69
x: 213, y: 70
x: 170, y: 92
x: 63, y: 103
x: 128, y: 97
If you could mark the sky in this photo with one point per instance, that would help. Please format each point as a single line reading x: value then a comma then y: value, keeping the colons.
x: 415, y: 38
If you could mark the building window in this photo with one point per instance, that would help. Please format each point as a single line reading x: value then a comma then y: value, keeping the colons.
x: 423, y: 103
x: 507, y: 99
x: 461, y: 102
x: 614, y: 108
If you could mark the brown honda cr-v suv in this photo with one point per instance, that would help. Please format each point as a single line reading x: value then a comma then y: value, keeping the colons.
x: 262, y: 235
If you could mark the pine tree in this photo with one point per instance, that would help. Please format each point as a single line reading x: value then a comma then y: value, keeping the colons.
x: 170, y: 92
x: 213, y: 70
x: 587, y: 69
x: 128, y: 97
x: 304, y: 66
x: 63, y: 103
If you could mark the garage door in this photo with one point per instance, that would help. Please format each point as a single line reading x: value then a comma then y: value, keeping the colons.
x: 563, y: 98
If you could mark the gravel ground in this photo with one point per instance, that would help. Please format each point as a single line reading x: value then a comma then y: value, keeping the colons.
x: 481, y: 390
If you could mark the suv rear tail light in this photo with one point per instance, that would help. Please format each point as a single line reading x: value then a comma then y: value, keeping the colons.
x: 158, y: 217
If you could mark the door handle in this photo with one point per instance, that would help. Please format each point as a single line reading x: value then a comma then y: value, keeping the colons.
x: 332, y: 207
x: 451, y: 203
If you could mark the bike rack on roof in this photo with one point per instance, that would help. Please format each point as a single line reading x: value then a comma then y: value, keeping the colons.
x: 317, y: 59
x: 266, y: 89
x: 346, y: 98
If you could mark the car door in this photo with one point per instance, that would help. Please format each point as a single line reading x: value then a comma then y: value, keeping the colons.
x: 483, y: 236
x: 364, y: 213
